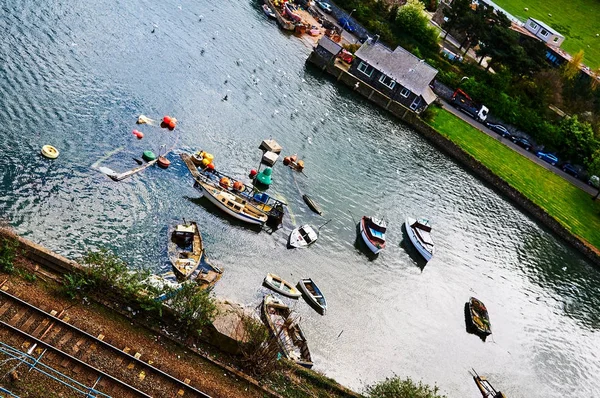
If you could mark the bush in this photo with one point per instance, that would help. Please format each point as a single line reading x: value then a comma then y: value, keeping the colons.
x: 8, y: 252
x: 193, y: 307
x: 259, y: 350
x: 397, y: 388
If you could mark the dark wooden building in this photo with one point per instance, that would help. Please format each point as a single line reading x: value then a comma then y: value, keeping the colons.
x: 398, y: 74
x: 325, y: 51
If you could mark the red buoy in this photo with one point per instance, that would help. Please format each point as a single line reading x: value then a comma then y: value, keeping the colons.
x: 210, y: 166
x: 138, y: 134
x: 167, y: 119
x: 172, y: 124
x: 163, y: 162
x: 238, y: 186
x: 253, y: 173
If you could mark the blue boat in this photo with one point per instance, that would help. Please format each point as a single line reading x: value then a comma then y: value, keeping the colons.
x: 313, y: 295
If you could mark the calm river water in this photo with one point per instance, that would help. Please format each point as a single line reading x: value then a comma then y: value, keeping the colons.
x: 77, y: 74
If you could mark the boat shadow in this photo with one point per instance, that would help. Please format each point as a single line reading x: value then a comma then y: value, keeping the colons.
x: 409, y: 248
x: 213, y: 209
x: 469, y: 326
x: 361, y: 246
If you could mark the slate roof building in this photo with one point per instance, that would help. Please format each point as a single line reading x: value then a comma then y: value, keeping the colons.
x: 398, y: 74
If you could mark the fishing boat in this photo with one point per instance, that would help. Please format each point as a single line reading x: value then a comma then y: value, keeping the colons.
x: 282, y: 286
x: 290, y: 12
x: 281, y: 324
x: 486, y: 388
x: 185, y: 248
x: 477, y: 315
x: 268, y: 12
x: 419, y: 234
x: 303, y: 237
x: 232, y: 204
x: 312, y: 294
x: 372, y: 231
x: 312, y: 205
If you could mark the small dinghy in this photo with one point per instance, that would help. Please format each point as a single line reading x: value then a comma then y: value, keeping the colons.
x: 486, y: 388
x: 281, y: 324
x: 312, y: 205
x: 419, y: 234
x: 268, y: 12
x: 372, y: 231
x: 313, y: 295
x: 478, y: 318
x: 282, y: 286
x: 303, y: 237
x: 185, y: 248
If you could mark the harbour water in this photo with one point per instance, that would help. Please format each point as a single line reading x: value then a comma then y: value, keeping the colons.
x: 77, y: 75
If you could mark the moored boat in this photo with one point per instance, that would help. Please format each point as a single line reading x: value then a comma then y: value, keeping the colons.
x: 373, y: 231
x: 268, y: 12
x: 282, y: 286
x: 486, y: 388
x: 287, y: 331
x: 419, y: 234
x: 232, y: 204
x: 185, y: 248
x: 302, y: 237
x: 290, y: 12
x: 312, y: 204
x: 313, y: 295
x: 479, y: 318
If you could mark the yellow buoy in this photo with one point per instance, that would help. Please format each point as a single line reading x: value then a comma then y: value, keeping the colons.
x: 50, y: 152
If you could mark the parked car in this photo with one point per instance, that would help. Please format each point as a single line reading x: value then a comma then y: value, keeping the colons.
x: 324, y: 6
x: 547, y: 157
x: 522, y: 142
x: 570, y: 169
x: 594, y: 181
x: 345, y: 24
x: 500, y: 129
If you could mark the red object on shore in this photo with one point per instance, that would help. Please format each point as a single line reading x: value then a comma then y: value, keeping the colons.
x: 253, y: 173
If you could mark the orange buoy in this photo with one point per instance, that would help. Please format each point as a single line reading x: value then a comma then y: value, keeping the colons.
x: 138, y: 134
x: 253, y: 173
x: 294, y: 157
x: 211, y: 167
x: 167, y: 119
x: 286, y: 160
x: 238, y: 186
x: 163, y: 162
x: 300, y: 165
x: 224, y: 182
x: 172, y: 124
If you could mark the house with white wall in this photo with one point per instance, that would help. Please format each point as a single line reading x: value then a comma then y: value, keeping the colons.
x: 544, y: 32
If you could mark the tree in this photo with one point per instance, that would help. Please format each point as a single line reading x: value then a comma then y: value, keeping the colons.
x: 411, y: 18
x: 398, y: 388
x: 593, y: 167
x: 579, y: 139
x: 455, y: 14
x: 571, y: 68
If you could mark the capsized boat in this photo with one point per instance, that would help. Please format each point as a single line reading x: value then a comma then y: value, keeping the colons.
x: 312, y: 294
x: 268, y: 12
x: 372, y: 231
x: 486, y: 388
x: 234, y: 205
x: 479, y: 318
x: 419, y: 234
x: 185, y: 248
x: 312, y: 204
x: 303, y: 237
x: 281, y: 324
x: 282, y: 286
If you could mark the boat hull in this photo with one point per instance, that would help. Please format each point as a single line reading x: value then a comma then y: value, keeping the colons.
x: 363, y: 232
x: 426, y: 254
x: 292, y: 293
x: 242, y: 217
x: 309, y: 296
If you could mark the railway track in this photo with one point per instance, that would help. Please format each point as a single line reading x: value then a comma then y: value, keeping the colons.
x: 48, y: 343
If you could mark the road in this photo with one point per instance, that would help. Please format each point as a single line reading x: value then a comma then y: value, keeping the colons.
x: 578, y: 183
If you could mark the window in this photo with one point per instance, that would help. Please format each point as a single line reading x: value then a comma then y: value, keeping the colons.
x: 387, y: 81
x: 544, y: 32
x: 555, y: 39
x: 404, y: 92
x: 533, y: 25
x: 365, y: 68
x: 415, y: 104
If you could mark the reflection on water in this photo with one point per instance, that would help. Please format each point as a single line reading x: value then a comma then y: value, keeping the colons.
x: 78, y: 75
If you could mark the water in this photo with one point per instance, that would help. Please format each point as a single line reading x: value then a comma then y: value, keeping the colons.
x: 76, y: 75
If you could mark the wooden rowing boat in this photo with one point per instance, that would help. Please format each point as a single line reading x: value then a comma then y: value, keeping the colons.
x: 282, y: 286
x: 373, y: 231
x: 312, y: 205
x: 185, y: 248
x: 486, y: 388
x: 313, y: 295
x: 479, y: 318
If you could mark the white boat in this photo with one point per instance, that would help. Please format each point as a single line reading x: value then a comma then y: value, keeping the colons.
x: 287, y: 331
x: 419, y: 233
x: 268, y: 12
x: 233, y: 205
x: 282, y: 286
x: 313, y: 295
x: 372, y: 231
x: 303, y: 236
x: 185, y: 248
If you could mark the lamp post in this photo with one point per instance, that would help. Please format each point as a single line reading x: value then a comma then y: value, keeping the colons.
x: 349, y: 16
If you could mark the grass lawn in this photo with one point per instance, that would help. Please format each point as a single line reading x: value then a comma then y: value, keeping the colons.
x: 571, y: 206
x: 577, y: 20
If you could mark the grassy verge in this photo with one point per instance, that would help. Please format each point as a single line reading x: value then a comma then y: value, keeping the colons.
x: 569, y: 205
x: 579, y: 25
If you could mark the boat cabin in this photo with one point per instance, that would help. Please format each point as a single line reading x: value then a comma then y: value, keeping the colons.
x: 305, y: 235
x: 184, y: 232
